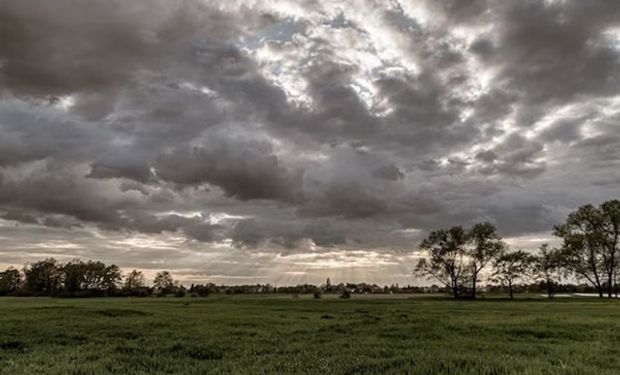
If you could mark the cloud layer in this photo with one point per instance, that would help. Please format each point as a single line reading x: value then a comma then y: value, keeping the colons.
x: 287, y: 129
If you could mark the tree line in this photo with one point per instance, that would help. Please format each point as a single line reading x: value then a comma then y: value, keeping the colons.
x: 460, y: 259
x: 77, y: 278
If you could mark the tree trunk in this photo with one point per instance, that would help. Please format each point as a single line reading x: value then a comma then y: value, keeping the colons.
x: 473, y: 287
x: 510, y: 290
x: 598, y: 285
x: 610, y: 276
x: 616, y: 283
x: 455, y: 287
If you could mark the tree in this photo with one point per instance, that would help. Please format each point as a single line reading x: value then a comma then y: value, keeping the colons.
x: 91, y: 277
x: 180, y: 291
x: 444, y: 260
x: 111, y: 278
x: 546, y: 267
x: 164, y: 282
x: 74, y: 276
x: 101, y: 277
x: 610, y: 211
x: 509, y: 267
x: 10, y: 281
x: 134, y: 280
x: 328, y: 285
x: 43, y: 277
x: 204, y: 290
x: 486, y: 244
x: 590, y: 244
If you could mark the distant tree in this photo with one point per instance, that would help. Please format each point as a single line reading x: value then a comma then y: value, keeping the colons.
x: 134, y: 280
x: 546, y: 266
x: 43, y: 277
x: 89, y: 278
x: 180, y: 291
x: 111, y: 278
x: 486, y: 244
x: 328, y: 285
x: 74, y: 276
x: 317, y: 294
x: 444, y: 260
x: 10, y: 281
x: 203, y: 290
x: 509, y: 267
x: 345, y: 294
x: 164, y: 282
x: 591, y: 237
x: 102, y: 277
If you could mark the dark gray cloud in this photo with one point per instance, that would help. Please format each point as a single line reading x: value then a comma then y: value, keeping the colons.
x: 244, y: 169
x: 302, y: 128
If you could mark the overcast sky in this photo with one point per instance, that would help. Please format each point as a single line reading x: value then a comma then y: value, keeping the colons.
x: 288, y: 141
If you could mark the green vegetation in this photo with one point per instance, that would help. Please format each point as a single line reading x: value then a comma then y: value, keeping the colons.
x: 280, y: 335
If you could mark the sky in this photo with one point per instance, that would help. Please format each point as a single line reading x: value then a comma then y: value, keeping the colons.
x: 290, y: 141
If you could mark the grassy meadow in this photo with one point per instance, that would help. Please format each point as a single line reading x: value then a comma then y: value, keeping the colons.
x: 283, y: 335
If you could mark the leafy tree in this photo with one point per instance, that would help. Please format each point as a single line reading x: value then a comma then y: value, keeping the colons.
x: 486, y: 244
x: 445, y: 258
x: 10, y: 281
x: 111, y: 278
x: 134, y: 280
x: 101, y: 277
x: 546, y: 266
x: 204, y: 290
x: 590, y: 244
x: 74, y: 276
x: 509, y: 267
x: 43, y: 277
x: 92, y: 277
x: 164, y: 282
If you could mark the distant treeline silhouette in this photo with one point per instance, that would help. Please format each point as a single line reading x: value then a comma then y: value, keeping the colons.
x: 49, y: 277
x: 459, y: 259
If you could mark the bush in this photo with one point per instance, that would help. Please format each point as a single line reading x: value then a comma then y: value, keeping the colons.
x: 345, y: 294
x: 180, y: 292
x: 201, y: 291
x: 317, y: 294
x: 141, y: 292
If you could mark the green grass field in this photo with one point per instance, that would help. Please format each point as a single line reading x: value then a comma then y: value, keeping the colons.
x: 245, y: 335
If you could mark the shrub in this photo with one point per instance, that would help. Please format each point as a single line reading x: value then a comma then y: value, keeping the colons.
x: 345, y: 294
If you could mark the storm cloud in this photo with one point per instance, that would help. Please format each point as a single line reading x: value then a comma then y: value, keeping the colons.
x: 287, y: 130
